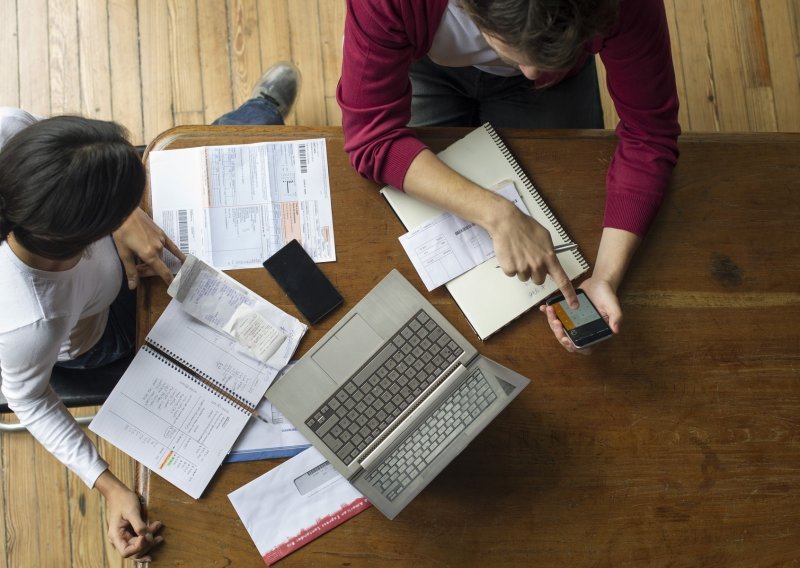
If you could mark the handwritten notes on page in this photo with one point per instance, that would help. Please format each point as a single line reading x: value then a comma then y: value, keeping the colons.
x: 184, y: 400
x: 234, y: 206
x: 291, y: 505
x: 447, y: 246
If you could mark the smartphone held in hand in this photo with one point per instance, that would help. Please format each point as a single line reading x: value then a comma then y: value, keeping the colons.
x: 583, y: 326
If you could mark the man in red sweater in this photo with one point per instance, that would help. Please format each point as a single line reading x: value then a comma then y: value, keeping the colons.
x: 516, y: 63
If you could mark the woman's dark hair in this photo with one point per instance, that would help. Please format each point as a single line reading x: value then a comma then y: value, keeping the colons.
x: 66, y: 182
x: 551, y: 33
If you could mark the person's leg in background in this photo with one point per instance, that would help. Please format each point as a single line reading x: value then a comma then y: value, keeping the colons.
x: 271, y: 99
x: 514, y: 102
x: 443, y: 96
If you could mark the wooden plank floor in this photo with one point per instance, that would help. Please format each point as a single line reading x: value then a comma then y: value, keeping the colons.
x: 150, y: 65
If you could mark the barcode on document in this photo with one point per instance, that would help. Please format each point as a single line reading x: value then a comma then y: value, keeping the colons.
x: 183, y: 230
x: 301, y: 148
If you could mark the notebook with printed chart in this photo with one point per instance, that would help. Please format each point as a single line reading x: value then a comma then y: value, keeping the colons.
x: 489, y: 298
x: 392, y: 393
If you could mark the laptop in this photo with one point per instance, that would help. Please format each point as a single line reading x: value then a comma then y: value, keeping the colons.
x: 393, y: 393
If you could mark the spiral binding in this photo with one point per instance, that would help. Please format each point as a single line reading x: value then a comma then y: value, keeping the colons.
x: 532, y: 190
x: 181, y: 365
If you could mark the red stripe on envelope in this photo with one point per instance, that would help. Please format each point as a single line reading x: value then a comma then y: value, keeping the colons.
x: 323, y: 525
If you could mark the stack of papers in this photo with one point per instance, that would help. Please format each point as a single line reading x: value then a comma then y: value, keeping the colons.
x: 268, y: 434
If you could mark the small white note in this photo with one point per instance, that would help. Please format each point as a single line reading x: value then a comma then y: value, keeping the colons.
x: 447, y: 246
x: 254, y: 332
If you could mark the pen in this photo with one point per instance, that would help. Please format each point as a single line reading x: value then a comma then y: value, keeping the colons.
x: 565, y: 247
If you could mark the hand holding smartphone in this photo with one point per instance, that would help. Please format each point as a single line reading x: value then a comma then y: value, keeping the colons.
x: 584, y: 326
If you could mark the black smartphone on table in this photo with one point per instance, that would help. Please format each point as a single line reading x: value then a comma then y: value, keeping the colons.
x: 584, y: 326
x: 299, y: 276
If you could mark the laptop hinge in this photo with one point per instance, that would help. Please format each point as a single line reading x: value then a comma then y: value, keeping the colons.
x: 419, y: 407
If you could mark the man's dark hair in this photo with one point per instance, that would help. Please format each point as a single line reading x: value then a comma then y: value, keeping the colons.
x: 551, y: 33
x: 66, y: 182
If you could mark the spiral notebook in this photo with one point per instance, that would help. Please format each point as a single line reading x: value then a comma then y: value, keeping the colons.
x: 184, y: 400
x: 490, y: 299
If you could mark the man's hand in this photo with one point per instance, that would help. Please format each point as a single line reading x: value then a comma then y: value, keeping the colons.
x: 604, y: 299
x: 139, y: 237
x: 127, y: 531
x: 524, y: 249
x: 613, y: 256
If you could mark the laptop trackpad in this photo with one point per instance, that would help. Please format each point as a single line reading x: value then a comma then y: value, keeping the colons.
x: 345, y: 352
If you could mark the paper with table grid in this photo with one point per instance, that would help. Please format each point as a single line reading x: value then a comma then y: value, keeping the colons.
x: 234, y: 206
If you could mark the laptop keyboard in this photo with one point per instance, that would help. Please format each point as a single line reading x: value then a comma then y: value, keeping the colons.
x: 426, y: 442
x: 359, y: 411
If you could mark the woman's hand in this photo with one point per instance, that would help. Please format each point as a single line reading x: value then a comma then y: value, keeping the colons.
x: 139, y: 237
x: 127, y: 531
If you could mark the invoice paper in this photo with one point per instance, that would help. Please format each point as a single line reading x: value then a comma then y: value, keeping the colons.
x: 234, y: 206
x: 447, y: 246
x: 291, y: 505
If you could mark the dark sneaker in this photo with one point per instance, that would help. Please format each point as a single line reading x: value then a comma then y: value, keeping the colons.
x: 280, y: 85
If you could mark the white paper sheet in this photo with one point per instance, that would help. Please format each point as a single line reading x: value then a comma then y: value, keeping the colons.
x: 263, y: 330
x: 447, y: 246
x: 291, y: 505
x: 268, y: 435
x: 234, y: 206
x: 161, y: 415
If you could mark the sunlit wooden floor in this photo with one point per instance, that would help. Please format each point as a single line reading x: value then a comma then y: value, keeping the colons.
x: 153, y: 64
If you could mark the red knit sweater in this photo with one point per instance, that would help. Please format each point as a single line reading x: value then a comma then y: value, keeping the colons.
x: 383, y: 37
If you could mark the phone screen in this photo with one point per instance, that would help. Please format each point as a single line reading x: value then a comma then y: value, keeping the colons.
x: 583, y: 326
x: 303, y: 281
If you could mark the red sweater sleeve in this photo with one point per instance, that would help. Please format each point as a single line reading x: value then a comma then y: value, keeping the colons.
x: 641, y: 82
x: 381, y: 40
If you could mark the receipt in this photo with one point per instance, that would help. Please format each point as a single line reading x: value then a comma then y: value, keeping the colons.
x: 230, y: 308
x: 255, y: 333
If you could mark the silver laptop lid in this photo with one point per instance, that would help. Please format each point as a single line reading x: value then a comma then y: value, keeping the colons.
x: 348, y: 349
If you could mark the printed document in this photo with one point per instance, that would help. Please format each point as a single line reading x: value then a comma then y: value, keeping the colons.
x: 291, y: 505
x: 234, y: 206
x: 268, y: 434
x: 447, y: 246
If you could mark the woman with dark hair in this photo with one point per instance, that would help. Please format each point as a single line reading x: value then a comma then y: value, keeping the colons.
x: 515, y: 63
x: 70, y: 229
x: 66, y: 184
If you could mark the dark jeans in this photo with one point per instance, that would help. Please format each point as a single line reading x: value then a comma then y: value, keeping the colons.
x: 466, y: 96
x: 253, y: 111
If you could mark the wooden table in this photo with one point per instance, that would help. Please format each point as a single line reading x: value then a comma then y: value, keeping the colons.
x: 676, y: 443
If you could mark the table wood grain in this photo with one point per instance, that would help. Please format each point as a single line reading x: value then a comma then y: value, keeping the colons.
x: 677, y: 442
